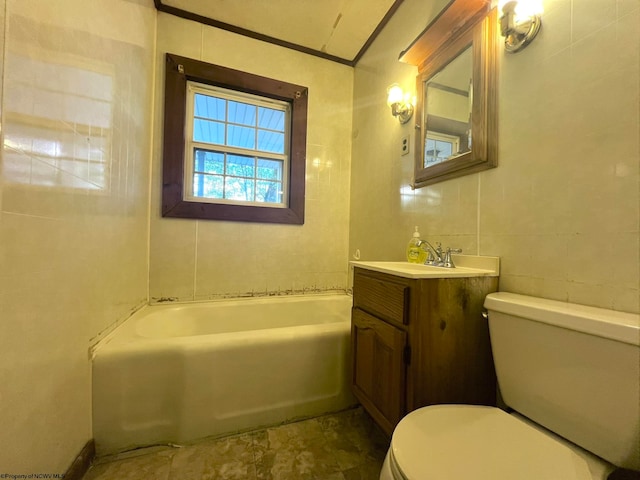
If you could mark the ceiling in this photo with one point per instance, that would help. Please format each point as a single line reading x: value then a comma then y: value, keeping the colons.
x: 339, y: 30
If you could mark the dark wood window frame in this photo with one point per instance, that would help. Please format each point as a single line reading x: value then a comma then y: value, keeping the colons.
x: 180, y: 70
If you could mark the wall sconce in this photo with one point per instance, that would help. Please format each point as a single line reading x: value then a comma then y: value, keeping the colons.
x: 519, y: 23
x: 400, y: 103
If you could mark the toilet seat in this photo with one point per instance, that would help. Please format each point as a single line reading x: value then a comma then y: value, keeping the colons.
x: 475, y: 442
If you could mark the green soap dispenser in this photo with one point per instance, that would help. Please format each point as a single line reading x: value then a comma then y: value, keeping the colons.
x: 415, y: 254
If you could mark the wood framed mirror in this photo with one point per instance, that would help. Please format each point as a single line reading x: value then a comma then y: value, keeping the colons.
x: 456, y: 111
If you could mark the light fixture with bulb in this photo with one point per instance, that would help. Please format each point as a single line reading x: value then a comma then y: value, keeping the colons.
x: 520, y: 22
x: 400, y: 103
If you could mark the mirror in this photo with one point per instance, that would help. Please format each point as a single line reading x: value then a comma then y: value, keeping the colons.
x: 456, y: 114
x: 448, y: 96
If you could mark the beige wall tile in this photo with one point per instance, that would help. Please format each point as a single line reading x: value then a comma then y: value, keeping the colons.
x: 591, y: 15
x: 626, y: 299
x: 73, y: 211
x: 172, y: 274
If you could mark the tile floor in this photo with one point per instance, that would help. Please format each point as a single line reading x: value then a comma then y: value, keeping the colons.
x: 342, y: 446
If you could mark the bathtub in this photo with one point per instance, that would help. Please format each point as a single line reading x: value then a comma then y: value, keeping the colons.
x: 179, y: 372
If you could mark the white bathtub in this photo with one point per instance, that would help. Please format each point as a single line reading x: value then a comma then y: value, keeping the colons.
x: 175, y: 373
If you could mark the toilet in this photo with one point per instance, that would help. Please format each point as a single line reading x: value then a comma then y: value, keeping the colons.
x: 570, y: 377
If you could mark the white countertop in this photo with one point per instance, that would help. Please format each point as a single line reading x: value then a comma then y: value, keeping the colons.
x: 466, y: 266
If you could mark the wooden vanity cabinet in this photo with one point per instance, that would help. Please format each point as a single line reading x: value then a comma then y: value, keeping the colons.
x: 418, y: 342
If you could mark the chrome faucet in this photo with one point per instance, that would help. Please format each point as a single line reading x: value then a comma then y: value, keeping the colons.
x: 436, y: 257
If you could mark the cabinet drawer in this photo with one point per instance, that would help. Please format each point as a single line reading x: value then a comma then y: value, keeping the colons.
x: 382, y: 298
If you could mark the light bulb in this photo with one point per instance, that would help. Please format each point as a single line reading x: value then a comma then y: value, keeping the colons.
x: 394, y: 94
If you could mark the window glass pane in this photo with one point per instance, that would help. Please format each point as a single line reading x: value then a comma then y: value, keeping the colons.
x: 268, y: 192
x: 445, y: 149
x: 209, y: 107
x: 210, y: 186
x: 271, y: 119
x: 208, y: 162
x: 239, y: 189
x: 430, y: 152
x: 270, y: 141
x: 240, y: 166
x: 241, y: 137
x: 269, y: 169
x: 208, y: 131
x: 242, y: 113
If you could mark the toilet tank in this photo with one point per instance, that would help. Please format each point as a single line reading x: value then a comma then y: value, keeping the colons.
x: 571, y: 368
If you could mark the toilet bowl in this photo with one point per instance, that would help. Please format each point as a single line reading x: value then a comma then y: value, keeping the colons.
x: 571, y: 368
x: 483, y: 443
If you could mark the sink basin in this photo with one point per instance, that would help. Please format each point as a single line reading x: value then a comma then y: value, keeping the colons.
x: 466, y: 266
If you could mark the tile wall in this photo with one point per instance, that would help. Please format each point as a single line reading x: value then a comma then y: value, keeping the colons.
x: 200, y: 260
x: 561, y: 209
x: 74, y: 175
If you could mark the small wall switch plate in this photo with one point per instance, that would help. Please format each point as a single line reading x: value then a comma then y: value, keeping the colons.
x: 405, y: 145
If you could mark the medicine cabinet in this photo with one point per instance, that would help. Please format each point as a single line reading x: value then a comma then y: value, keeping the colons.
x: 456, y: 110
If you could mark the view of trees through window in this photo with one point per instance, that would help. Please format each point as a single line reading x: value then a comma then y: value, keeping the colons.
x: 239, y: 147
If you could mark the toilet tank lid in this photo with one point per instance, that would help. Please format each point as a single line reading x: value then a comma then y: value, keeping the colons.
x: 620, y: 326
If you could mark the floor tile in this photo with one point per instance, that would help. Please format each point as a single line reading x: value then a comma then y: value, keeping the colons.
x: 342, y: 446
x: 225, y: 459
x: 153, y: 466
x: 364, y: 471
x: 354, y: 439
x: 295, y: 451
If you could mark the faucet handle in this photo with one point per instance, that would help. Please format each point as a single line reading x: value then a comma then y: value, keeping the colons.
x: 448, y: 263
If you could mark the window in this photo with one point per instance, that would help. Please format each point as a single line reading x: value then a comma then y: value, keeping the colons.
x: 234, y: 145
x: 439, y: 147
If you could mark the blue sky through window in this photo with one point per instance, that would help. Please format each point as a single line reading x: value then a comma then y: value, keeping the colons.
x: 221, y: 121
x: 239, y: 149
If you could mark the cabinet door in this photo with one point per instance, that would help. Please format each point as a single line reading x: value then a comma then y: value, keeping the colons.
x: 378, y: 379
